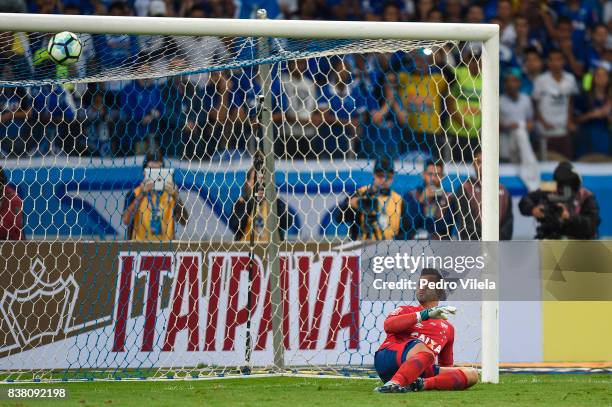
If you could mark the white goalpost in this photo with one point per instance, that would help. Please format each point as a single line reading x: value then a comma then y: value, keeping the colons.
x: 209, y: 302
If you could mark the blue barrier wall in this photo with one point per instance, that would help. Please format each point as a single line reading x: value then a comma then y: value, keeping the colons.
x: 58, y: 202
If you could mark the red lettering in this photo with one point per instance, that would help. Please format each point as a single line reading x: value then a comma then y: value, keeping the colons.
x: 187, y: 277
x: 235, y: 316
x: 123, y: 302
x: 266, y: 322
x: 309, y: 333
x: 349, y: 277
x: 214, y: 277
x: 154, y: 265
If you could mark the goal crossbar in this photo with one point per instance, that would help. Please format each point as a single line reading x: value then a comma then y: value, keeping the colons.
x: 252, y: 28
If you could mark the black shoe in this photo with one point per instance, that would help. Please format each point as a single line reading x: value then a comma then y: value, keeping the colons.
x: 391, y: 387
x: 417, y: 385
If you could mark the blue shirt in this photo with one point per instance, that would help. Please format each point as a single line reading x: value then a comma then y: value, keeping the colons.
x: 344, y: 103
x: 137, y: 102
x: 113, y: 50
x: 248, y: 8
x: 52, y: 100
x: 12, y: 100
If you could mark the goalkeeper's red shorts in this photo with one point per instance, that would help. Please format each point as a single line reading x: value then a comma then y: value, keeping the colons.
x: 389, y: 359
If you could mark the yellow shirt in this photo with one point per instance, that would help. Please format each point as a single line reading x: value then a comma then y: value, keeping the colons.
x: 388, y: 217
x: 422, y: 96
x: 258, y: 221
x: 141, y: 224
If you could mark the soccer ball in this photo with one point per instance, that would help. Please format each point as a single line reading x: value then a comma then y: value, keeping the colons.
x: 64, y: 48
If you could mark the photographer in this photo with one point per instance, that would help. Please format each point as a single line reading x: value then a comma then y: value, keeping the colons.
x: 150, y: 214
x: 250, y: 211
x: 571, y: 212
x: 375, y: 212
x: 470, y: 198
x: 430, y: 207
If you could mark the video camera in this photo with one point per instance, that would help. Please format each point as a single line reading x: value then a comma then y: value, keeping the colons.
x: 550, y: 224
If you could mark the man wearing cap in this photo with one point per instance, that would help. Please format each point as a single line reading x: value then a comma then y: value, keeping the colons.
x: 516, y: 122
x: 571, y: 212
x: 375, y: 212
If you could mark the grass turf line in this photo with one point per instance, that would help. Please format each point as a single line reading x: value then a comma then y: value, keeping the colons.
x: 514, y: 390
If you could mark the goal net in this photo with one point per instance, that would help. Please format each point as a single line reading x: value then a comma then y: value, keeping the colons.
x: 199, y: 206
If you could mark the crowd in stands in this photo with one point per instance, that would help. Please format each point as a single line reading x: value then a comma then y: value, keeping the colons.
x: 556, y: 58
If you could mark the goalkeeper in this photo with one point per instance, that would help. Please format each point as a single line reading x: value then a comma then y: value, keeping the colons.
x: 416, y: 336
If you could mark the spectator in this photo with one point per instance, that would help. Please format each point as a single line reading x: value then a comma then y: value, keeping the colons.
x: 463, y: 104
x: 596, y: 49
x: 474, y: 15
x: 571, y: 45
x: 552, y: 92
x: 98, y: 126
x: 507, y: 28
x: 15, y: 112
x: 207, y: 131
x: 243, y: 106
x: 532, y: 68
x: 593, y: 109
x: 177, y: 95
x: 11, y: 211
x: 470, y: 201
x: 435, y: 16
x: 375, y: 9
x: 196, y: 50
x: 385, y: 121
x: 142, y: 108
x: 340, y: 103
x: 54, y: 126
x: 423, y: 91
x: 430, y: 208
x: 525, y: 42
x: 391, y: 12
x: 424, y: 9
x: 577, y: 13
x: 113, y: 50
x: 298, y: 100
x: 289, y: 8
x: 150, y: 214
x: 516, y: 122
x: 452, y: 11
x: 375, y: 212
x: 157, y: 49
x: 571, y: 212
x: 250, y: 211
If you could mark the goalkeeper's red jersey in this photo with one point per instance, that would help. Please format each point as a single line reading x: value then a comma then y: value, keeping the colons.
x: 436, y: 334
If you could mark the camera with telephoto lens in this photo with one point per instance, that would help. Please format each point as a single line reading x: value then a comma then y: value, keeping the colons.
x: 550, y: 224
x: 368, y: 204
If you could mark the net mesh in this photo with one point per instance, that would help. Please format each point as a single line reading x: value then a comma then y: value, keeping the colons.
x: 131, y: 274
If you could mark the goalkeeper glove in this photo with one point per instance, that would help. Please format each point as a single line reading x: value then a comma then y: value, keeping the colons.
x: 436, y: 313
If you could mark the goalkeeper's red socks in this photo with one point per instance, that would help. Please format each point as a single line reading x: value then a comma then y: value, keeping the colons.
x: 412, y: 368
x: 447, y: 380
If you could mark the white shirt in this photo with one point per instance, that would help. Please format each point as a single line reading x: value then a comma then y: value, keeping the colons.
x: 202, y: 52
x: 301, y: 94
x: 515, y: 111
x: 553, y: 100
x: 508, y: 35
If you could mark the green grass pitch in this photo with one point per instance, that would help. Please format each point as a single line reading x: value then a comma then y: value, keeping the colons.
x: 514, y: 390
